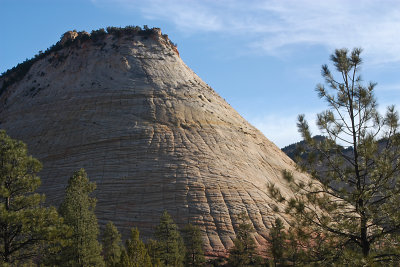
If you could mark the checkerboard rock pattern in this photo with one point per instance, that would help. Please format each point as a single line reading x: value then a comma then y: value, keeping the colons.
x: 150, y: 133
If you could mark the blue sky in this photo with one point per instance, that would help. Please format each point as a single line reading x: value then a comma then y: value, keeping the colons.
x: 262, y: 56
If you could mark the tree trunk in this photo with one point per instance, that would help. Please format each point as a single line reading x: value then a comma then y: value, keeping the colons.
x: 364, y: 240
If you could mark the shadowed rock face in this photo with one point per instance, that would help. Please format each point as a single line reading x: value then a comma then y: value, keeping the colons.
x: 150, y: 133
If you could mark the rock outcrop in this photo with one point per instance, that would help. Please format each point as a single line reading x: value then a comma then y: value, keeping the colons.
x: 149, y: 132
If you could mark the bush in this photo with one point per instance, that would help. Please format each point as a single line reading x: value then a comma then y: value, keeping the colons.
x: 116, y: 31
x: 97, y: 35
x: 131, y: 30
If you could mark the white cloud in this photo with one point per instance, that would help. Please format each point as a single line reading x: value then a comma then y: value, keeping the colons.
x: 273, y: 25
x: 373, y: 25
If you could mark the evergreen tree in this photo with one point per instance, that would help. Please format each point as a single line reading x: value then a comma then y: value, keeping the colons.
x: 216, y: 262
x: 78, y: 212
x: 194, y: 246
x: 357, y: 202
x: 170, y: 247
x: 277, y: 238
x: 152, y: 249
x: 27, y: 228
x: 135, y: 253
x: 111, y: 245
x: 243, y: 253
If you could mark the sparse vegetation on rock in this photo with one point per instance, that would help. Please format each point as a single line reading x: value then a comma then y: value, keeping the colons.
x: 18, y: 72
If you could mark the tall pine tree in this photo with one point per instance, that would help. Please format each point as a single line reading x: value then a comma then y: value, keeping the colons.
x: 194, y: 246
x: 277, y: 238
x: 78, y: 212
x: 135, y: 253
x: 152, y: 249
x: 27, y: 228
x: 243, y: 253
x: 170, y: 246
x: 357, y: 202
x: 111, y: 245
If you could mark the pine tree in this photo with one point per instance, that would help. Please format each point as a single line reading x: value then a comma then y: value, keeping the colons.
x: 277, y: 238
x: 78, y: 212
x: 152, y: 249
x: 357, y: 203
x: 111, y: 245
x: 243, y: 253
x: 135, y: 253
x: 27, y: 228
x: 170, y: 246
x: 194, y: 246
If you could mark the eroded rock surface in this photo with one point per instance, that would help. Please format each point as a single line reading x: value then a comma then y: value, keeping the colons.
x: 150, y: 133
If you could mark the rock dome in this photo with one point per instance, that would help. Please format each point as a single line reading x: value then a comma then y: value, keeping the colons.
x: 148, y: 131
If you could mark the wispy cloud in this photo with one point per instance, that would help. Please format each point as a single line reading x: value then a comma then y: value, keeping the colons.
x: 275, y: 25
